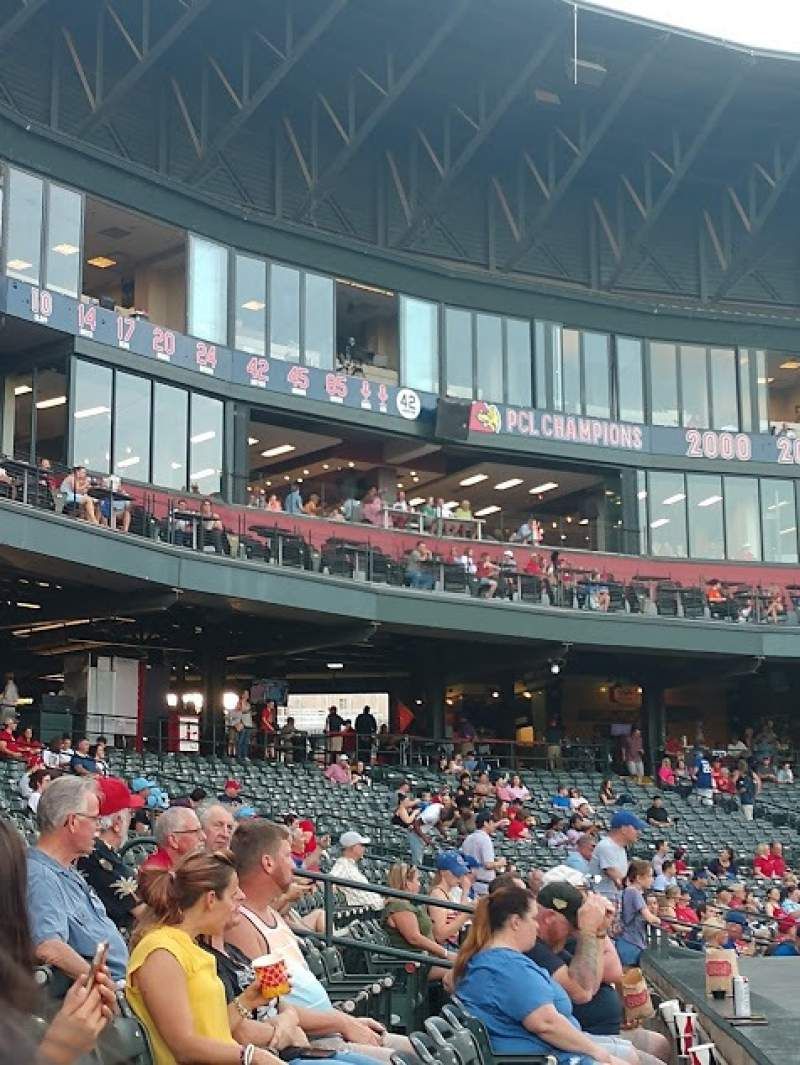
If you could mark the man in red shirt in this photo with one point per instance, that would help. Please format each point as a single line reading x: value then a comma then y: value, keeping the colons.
x: 763, y: 864
x: 178, y: 832
x: 778, y: 860
x: 8, y: 744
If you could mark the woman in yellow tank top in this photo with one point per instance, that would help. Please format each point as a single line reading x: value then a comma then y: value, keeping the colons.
x: 172, y: 983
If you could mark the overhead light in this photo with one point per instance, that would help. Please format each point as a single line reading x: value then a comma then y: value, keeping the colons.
x: 201, y: 475
x: 364, y: 288
x: 335, y: 665
x: 495, y: 694
x: 102, y: 262
x: 512, y: 482
x: 790, y: 364
x: 325, y: 466
x: 18, y: 264
x: 451, y: 503
x: 785, y: 532
x: 66, y: 249
x: 709, y: 501
x: 30, y: 606
x: 22, y: 390
x: 642, y: 494
x: 351, y: 465
x: 305, y: 474
x: 555, y: 667
x: 415, y: 502
x: 659, y: 522
x: 280, y: 449
x: 201, y: 438
x: 172, y: 699
x: 548, y: 486
x: 56, y: 401
x: 90, y: 412
x: 673, y: 499
x: 583, y: 521
x: 765, y: 380
x: 252, y: 441
x: 175, y: 465
x: 527, y: 695
x: 253, y: 305
x: 486, y: 511
x: 476, y: 478
x: 123, y: 464
x: 230, y: 700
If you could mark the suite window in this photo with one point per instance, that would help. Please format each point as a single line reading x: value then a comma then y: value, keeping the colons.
x: 458, y: 352
x: 518, y: 363
x: 663, y: 384
x: 742, y: 519
x: 694, y: 387
x: 419, y: 338
x: 547, y: 356
x: 724, y: 399
x: 205, y: 444
x: 19, y: 392
x: 319, y: 321
x: 762, y: 397
x: 51, y: 412
x: 489, y: 341
x: 250, y: 295
x: 706, y: 519
x: 91, y: 417
x: 208, y: 290
x: 170, y: 430
x: 630, y: 386
x: 778, y: 520
x: 745, y: 390
x: 667, y: 514
x: 366, y: 330
x: 132, y: 426
x: 641, y: 510
x: 571, y: 371
x: 596, y: 375
x: 284, y: 303
x: 24, y: 226
x: 64, y: 228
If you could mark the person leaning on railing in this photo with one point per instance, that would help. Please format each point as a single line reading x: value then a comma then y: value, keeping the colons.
x: 407, y: 924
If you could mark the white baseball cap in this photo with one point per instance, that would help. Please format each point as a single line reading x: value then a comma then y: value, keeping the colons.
x: 350, y: 839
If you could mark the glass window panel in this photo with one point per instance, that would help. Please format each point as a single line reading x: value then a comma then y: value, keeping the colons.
x: 518, y: 363
x: 596, y: 376
x: 641, y: 506
x: 489, y: 342
x: 208, y: 290
x: 91, y: 417
x: 745, y: 391
x: 319, y: 340
x: 132, y: 427
x: 571, y: 370
x: 762, y: 390
x: 663, y: 384
x: 778, y: 520
x: 51, y: 413
x: 205, y: 444
x: 706, y: 524
x: 723, y: 389
x: 24, y: 235
x: 630, y: 387
x: 419, y: 331
x: 694, y: 387
x: 64, y: 228
x: 549, y: 354
x: 742, y: 524
x: 250, y: 294
x: 458, y: 352
x: 667, y: 514
x: 284, y: 313
x: 170, y: 430
x: 20, y: 391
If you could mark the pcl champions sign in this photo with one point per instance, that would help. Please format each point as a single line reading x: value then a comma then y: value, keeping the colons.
x: 556, y: 426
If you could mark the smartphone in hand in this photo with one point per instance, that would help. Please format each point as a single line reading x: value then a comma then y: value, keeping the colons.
x: 98, y: 961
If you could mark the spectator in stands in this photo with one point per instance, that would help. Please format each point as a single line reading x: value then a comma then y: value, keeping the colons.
x: 610, y: 860
x: 633, y: 754
x: 748, y: 787
x: 762, y: 861
x: 696, y: 888
x: 66, y: 917
x: 73, y: 1031
x: 231, y: 794
x: 408, y: 924
x: 580, y: 855
x: 635, y: 914
x: 488, y: 574
x: 262, y: 855
x: 666, y: 774
x: 479, y: 845
x: 737, y: 930
x: 178, y: 832
x: 311, y: 506
x: 39, y: 780
x: 339, y: 772
x: 702, y: 778
x: 724, y: 866
x: 366, y: 728
x: 372, y: 507
x: 778, y: 861
x: 212, y: 531
x: 656, y: 814
x: 448, y: 885
x: 515, y: 790
x: 103, y: 869
x: 74, y: 488
x: 293, y: 503
x: 30, y: 747
x: 608, y: 795
x: 666, y: 878
x: 346, y: 867
x: 660, y: 855
x: 406, y: 815
x: 772, y: 904
x: 274, y: 504
x: 81, y: 763
x: 9, y: 750
x: 524, y: 1009
x: 218, y: 826
x: 418, y: 573
x: 554, y: 738
x: 786, y: 943
x: 785, y: 774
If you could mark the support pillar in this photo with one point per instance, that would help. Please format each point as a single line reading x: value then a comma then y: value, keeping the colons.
x: 654, y: 722
x: 214, y: 675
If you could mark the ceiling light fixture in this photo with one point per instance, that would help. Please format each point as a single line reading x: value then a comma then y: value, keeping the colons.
x: 252, y: 441
x: 548, y: 486
x: 790, y: 364
x: 280, y: 449
x: 90, y: 412
x: 202, y: 438
x: 102, y: 262
x: 335, y: 665
x: 709, y: 501
x: 415, y: 502
x: 66, y: 249
x: 22, y: 390
x: 476, y: 478
x: 659, y: 522
x: 18, y: 264
x: 677, y: 498
x: 56, y: 401
x: 486, y: 511
x: 512, y: 482
x: 30, y: 606
x: 253, y: 305
x: 123, y: 464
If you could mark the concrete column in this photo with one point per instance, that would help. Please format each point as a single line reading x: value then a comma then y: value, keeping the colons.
x: 654, y: 722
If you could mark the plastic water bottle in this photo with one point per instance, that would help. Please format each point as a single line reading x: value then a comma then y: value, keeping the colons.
x: 741, y: 996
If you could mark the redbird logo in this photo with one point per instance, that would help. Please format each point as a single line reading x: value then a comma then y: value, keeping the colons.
x: 486, y: 418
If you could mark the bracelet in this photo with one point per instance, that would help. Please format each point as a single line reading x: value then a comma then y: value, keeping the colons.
x: 243, y: 1012
x: 246, y: 1054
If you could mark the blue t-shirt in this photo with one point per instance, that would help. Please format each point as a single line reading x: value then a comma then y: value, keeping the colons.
x: 703, y: 779
x: 501, y: 987
x: 784, y: 950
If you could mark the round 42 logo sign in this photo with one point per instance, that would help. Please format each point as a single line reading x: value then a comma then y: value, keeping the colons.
x: 408, y: 403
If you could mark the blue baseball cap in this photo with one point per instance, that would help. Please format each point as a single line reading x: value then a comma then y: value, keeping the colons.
x: 452, y: 862
x: 244, y: 812
x: 470, y: 862
x: 736, y: 917
x: 140, y: 783
x: 626, y: 819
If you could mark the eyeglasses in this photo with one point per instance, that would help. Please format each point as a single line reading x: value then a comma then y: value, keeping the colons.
x: 90, y: 817
x: 186, y: 831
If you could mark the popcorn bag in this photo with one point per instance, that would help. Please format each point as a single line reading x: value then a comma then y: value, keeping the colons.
x: 636, y: 996
x: 704, y: 1054
x: 721, y: 967
x: 273, y: 975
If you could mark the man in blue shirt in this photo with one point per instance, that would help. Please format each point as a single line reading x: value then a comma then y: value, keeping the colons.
x: 703, y: 780
x: 66, y: 917
x: 80, y: 763
x: 785, y: 945
x: 293, y: 504
x: 580, y: 856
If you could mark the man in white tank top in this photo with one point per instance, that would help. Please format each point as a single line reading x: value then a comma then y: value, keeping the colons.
x: 263, y: 855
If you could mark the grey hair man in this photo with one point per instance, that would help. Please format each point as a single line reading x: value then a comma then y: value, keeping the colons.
x: 178, y: 832
x: 67, y: 918
x: 218, y: 825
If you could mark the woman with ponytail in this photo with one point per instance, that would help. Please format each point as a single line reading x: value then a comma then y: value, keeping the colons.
x: 525, y: 1011
x: 172, y: 983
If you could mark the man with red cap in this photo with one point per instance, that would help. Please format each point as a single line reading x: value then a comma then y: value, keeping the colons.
x: 786, y: 944
x: 231, y: 793
x: 104, y: 869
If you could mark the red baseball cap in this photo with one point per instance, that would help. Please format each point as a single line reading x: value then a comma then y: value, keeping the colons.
x: 233, y: 784
x: 115, y: 795
x: 786, y: 924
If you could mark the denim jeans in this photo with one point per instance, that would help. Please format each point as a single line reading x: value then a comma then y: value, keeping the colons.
x: 243, y: 742
x: 417, y: 848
